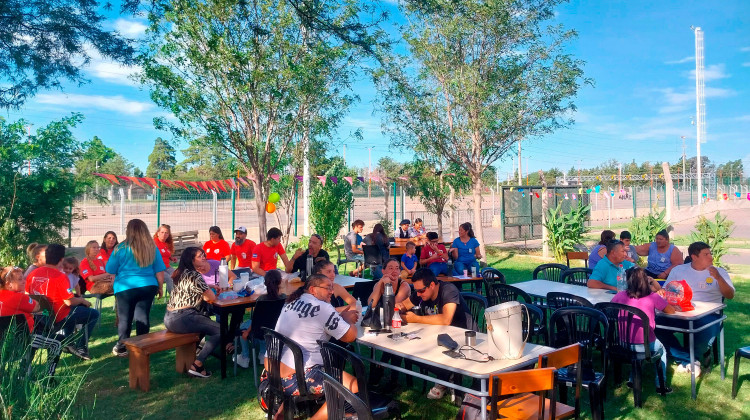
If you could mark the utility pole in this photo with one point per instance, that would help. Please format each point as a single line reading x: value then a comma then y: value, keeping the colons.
x: 520, y: 180
x: 700, y: 106
x: 683, y: 161
x: 619, y: 178
x: 579, y: 172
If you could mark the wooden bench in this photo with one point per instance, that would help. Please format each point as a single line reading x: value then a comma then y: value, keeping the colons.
x: 141, y: 347
x: 183, y: 240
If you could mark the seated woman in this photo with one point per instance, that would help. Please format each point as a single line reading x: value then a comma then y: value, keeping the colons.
x: 598, y: 251
x: 379, y: 239
x: 216, y: 248
x: 36, y: 253
x: 272, y: 280
x: 465, y: 250
x: 92, y: 271
x: 417, y: 230
x: 662, y: 256
x: 13, y: 300
x: 184, y: 314
x: 209, y: 269
x: 643, y: 293
x: 328, y: 269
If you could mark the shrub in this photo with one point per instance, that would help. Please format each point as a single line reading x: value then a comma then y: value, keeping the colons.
x: 302, y: 243
x: 330, y: 203
x: 643, y: 229
x: 387, y: 223
x: 714, y: 233
x: 565, y: 230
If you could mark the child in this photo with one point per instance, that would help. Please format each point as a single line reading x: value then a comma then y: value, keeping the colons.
x: 409, y: 261
x: 272, y: 281
x: 70, y: 268
x: 13, y: 300
x: 642, y: 293
x: 36, y: 253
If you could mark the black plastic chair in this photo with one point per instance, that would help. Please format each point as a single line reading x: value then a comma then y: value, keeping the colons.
x: 586, y: 326
x: 362, y: 290
x: 338, y: 397
x: 477, y: 304
x: 551, y: 272
x: 373, y: 256
x: 491, y: 276
x: 343, y: 260
x: 275, y: 343
x: 501, y: 293
x: 536, y: 321
x: 739, y: 354
x: 265, y: 315
x: 621, y: 322
x: 576, y: 276
x: 557, y: 300
x: 335, y: 359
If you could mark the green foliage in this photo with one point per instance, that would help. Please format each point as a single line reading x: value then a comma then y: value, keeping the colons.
x: 45, y: 41
x: 329, y: 205
x: 431, y: 181
x: 565, y: 231
x: 300, y: 244
x: 386, y: 221
x: 162, y: 159
x: 643, y: 229
x: 715, y: 233
x: 35, y: 207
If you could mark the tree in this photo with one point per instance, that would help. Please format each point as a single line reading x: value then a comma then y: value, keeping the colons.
x: 329, y: 204
x: 386, y: 170
x: 162, y: 159
x: 251, y: 78
x: 35, y: 205
x: 47, y: 41
x: 487, y: 75
x: 205, y: 161
x: 94, y: 154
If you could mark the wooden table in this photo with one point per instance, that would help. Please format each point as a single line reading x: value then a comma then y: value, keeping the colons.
x: 235, y: 309
x: 426, y: 351
x: 398, y: 246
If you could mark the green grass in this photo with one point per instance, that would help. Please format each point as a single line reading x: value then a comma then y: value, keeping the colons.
x: 107, y: 395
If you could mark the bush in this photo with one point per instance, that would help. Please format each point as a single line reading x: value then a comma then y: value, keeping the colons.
x: 565, y: 231
x: 387, y: 223
x: 302, y: 243
x: 643, y: 229
x: 714, y: 234
x: 330, y: 203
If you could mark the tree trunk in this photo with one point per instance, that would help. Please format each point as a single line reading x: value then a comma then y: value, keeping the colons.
x: 439, y: 215
x: 261, y: 197
x: 478, y: 230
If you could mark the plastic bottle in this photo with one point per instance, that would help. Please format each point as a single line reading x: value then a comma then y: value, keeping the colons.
x: 388, y: 303
x: 223, y: 275
x: 622, y: 283
x: 359, y: 312
x: 396, y: 321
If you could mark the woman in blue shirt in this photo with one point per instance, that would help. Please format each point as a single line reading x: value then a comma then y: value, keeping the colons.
x: 465, y: 250
x: 139, y: 276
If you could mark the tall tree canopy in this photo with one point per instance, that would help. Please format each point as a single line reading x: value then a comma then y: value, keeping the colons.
x: 43, y: 42
x: 162, y: 159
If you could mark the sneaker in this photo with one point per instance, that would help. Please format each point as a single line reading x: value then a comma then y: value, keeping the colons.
x: 120, y: 351
x: 664, y: 391
x: 437, y: 392
x: 80, y: 353
x: 241, y: 360
x: 695, y: 367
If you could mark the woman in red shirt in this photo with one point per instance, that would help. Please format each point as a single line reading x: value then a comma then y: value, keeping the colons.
x: 92, y: 270
x: 216, y: 248
x: 165, y: 245
x: 108, y: 245
x: 13, y: 300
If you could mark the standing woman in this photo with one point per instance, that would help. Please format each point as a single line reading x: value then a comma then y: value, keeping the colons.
x: 600, y: 249
x: 139, y: 275
x: 165, y: 244
x: 465, y: 250
x: 108, y: 245
x: 216, y: 247
x: 184, y: 309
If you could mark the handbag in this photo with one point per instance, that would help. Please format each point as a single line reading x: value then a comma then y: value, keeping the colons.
x: 371, y: 318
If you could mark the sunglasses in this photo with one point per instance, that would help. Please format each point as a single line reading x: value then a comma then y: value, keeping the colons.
x: 420, y: 291
x: 12, y: 269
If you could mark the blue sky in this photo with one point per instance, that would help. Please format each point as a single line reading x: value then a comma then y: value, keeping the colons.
x: 639, y: 54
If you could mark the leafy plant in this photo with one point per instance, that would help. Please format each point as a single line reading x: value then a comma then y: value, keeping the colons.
x: 714, y: 233
x: 384, y: 220
x: 300, y: 244
x: 329, y: 204
x: 643, y: 229
x: 566, y: 230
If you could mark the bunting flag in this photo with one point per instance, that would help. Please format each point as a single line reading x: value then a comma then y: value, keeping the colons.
x: 167, y: 183
x: 149, y: 181
x: 566, y: 196
x: 574, y: 196
x: 580, y: 190
x: 726, y: 197
x: 351, y: 181
x: 182, y: 184
x: 275, y: 177
x: 748, y: 196
x: 299, y: 178
x: 135, y: 181
x: 737, y: 194
x: 549, y: 195
x: 322, y: 179
x: 403, y: 178
x: 220, y: 184
x: 361, y: 179
x: 375, y: 178
x: 335, y: 180
x: 111, y: 178
x: 511, y: 188
x: 242, y: 180
x: 192, y: 184
x: 597, y: 188
x: 204, y: 185
x: 251, y: 178
x: 536, y: 194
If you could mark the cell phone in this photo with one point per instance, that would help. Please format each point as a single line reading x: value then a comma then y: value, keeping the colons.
x: 452, y: 354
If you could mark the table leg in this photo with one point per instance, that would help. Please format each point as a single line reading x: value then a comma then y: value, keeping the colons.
x: 721, y: 351
x: 692, y: 359
x: 223, y: 332
x: 483, y: 407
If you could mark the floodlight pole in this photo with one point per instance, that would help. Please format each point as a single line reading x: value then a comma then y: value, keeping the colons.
x: 700, y: 106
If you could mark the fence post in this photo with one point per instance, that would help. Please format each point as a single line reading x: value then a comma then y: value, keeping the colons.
x: 403, y: 194
x: 122, y: 212
x: 502, y: 214
x: 158, y: 200
x: 691, y: 193
x: 394, y: 208
x: 234, y: 202
x: 215, y: 204
x: 678, y: 199
x: 70, y: 224
x: 635, y: 214
x: 650, y: 199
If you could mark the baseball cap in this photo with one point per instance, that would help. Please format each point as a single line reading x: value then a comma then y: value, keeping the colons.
x: 241, y: 229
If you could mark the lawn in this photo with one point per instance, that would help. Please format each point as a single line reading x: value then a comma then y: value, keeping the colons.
x: 106, y: 393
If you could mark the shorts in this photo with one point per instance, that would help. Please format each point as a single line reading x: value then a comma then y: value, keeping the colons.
x: 313, y: 377
x: 357, y: 257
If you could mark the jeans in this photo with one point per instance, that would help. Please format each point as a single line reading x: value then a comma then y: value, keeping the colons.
x: 168, y: 279
x: 80, y: 315
x: 681, y: 353
x: 185, y: 321
x: 438, y: 268
x: 657, y: 348
x: 246, y: 343
x: 459, y: 267
x: 134, y: 305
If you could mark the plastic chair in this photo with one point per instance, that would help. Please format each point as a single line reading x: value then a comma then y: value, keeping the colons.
x: 562, y: 359
x: 551, y: 272
x: 344, y: 260
x: 525, y: 404
x: 740, y: 353
x: 501, y: 293
x: 621, y: 321
x: 577, y: 255
x: 536, y: 321
x: 372, y: 256
x: 275, y: 343
x: 477, y: 304
x: 362, y: 290
x: 491, y: 276
x: 265, y: 315
x: 576, y: 276
x: 338, y: 397
x: 557, y: 300
x: 335, y: 359
x: 584, y: 326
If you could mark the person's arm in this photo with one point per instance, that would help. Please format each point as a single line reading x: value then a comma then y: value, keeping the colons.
x: 257, y: 270
x: 232, y: 276
x: 296, y: 255
x: 405, y: 304
x: 160, y: 283
x: 403, y: 292
x: 596, y: 284
x: 477, y: 254
x: 443, y: 318
x: 232, y: 262
x: 602, y: 252
x: 75, y: 301
x: 209, y: 296
x: 341, y: 292
x: 726, y: 290
x: 642, y: 250
x: 675, y: 259
x: 99, y: 277
x: 377, y: 291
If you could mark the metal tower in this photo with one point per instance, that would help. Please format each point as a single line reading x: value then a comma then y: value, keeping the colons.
x: 700, y: 103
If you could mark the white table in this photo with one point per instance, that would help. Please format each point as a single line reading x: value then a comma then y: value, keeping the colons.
x: 426, y: 351
x: 540, y: 288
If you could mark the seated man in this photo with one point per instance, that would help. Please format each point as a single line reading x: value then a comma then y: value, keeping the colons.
x: 630, y: 251
x: 306, y: 318
x: 402, y: 232
x: 266, y: 254
x: 434, y: 255
x: 69, y: 310
x: 439, y: 303
x: 604, y: 275
x: 242, y: 250
x: 709, y: 284
x: 315, y: 249
x: 353, y: 248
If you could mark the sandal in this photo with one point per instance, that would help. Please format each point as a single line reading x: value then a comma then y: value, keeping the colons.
x: 437, y: 392
x: 230, y: 348
x: 199, y: 371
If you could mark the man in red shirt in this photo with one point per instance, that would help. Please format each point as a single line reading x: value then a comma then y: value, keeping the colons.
x: 49, y: 281
x: 434, y: 256
x: 266, y: 254
x: 242, y: 249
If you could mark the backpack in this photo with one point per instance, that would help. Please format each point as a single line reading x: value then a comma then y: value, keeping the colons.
x: 471, y: 408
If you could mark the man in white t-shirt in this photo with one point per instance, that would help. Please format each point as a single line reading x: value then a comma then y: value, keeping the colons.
x: 709, y: 284
x: 307, y: 318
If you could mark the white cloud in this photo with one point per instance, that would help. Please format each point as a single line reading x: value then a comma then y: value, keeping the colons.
x: 676, y: 101
x: 108, y: 70
x: 130, y: 28
x: 712, y: 72
x: 743, y: 118
x: 111, y: 103
x: 746, y: 64
x: 745, y: 49
x: 682, y: 60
